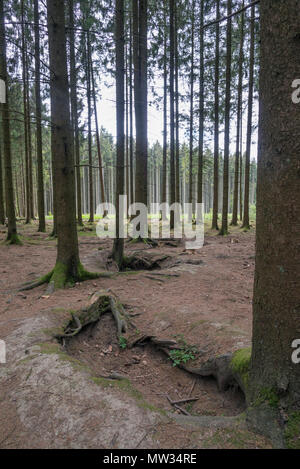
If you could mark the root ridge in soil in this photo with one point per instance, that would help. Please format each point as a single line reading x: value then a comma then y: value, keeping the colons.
x: 104, y: 338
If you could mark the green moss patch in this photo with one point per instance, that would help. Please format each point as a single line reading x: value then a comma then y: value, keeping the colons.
x: 292, y: 431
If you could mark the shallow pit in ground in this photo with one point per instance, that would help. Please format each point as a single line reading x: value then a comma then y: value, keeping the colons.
x: 151, y: 372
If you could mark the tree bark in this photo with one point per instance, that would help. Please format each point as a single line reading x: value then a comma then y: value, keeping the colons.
x: 140, y: 97
x: 39, y: 146
x: 88, y: 93
x: 118, y: 249
x: 191, y: 136
x: 274, y: 378
x: 2, y: 210
x: 165, y: 110
x: 68, y: 268
x: 246, y: 221
x: 216, y: 123
x: 12, y: 236
x: 224, y: 229
x: 74, y: 110
x: 201, y: 107
x: 172, y: 115
x: 234, y: 221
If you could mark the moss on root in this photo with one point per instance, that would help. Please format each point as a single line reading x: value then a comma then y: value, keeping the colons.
x: 13, y: 239
x: 240, y: 364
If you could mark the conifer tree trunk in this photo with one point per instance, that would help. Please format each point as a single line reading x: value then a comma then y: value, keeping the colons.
x: 74, y: 110
x: 165, y: 127
x: 191, y: 136
x: 140, y: 97
x: 274, y: 379
x: 177, y: 149
x: 216, y: 123
x: 68, y: 268
x: 39, y: 147
x: 118, y: 249
x: 234, y: 221
x: 2, y: 210
x: 224, y: 229
x: 131, y: 115
x: 172, y: 115
x: 100, y: 162
x: 246, y: 221
x: 25, y: 104
x: 12, y: 236
x: 201, y: 107
x: 88, y: 91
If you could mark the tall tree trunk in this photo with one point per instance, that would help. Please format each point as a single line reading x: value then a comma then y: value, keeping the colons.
x: 216, y: 123
x: 12, y: 236
x: 201, y: 107
x: 172, y: 115
x: 118, y: 250
x: 24, y: 81
x: 165, y: 122
x: 140, y: 97
x: 177, y: 150
x: 234, y: 221
x: 224, y: 229
x: 74, y: 110
x: 191, y: 136
x: 39, y: 147
x: 2, y: 210
x: 68, y: 267
x: 274, y: 379
x: 100, y: 161
x: 241, y: 165
x: 88, y: 91
x: 131, y: 115
x: 246, y: 221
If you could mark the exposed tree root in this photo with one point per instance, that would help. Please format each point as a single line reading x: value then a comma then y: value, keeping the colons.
x: 101, y: 303
x: 143, y: 262
x: 60, y: 278
x: 148, y: 241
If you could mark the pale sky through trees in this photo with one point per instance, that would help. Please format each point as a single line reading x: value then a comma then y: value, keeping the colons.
x: 107, y: 118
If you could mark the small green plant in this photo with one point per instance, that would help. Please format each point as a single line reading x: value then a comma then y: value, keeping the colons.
x: 182, y: 355
x: 122, y: 342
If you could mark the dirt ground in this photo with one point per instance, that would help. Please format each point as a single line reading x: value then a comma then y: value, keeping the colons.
x: 201, y: 299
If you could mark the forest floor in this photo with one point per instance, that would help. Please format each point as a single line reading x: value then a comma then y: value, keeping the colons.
x: 56, y: 397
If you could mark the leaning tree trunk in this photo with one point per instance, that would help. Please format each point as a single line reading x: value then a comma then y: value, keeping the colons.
x: 118, y: 249
x: 246, y: 221
x: 216, y: 123
x: 224, y: 229
x: 39, y: 146
x: 12, y: 236
x: 68, y: 268
x: 274, y: 381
